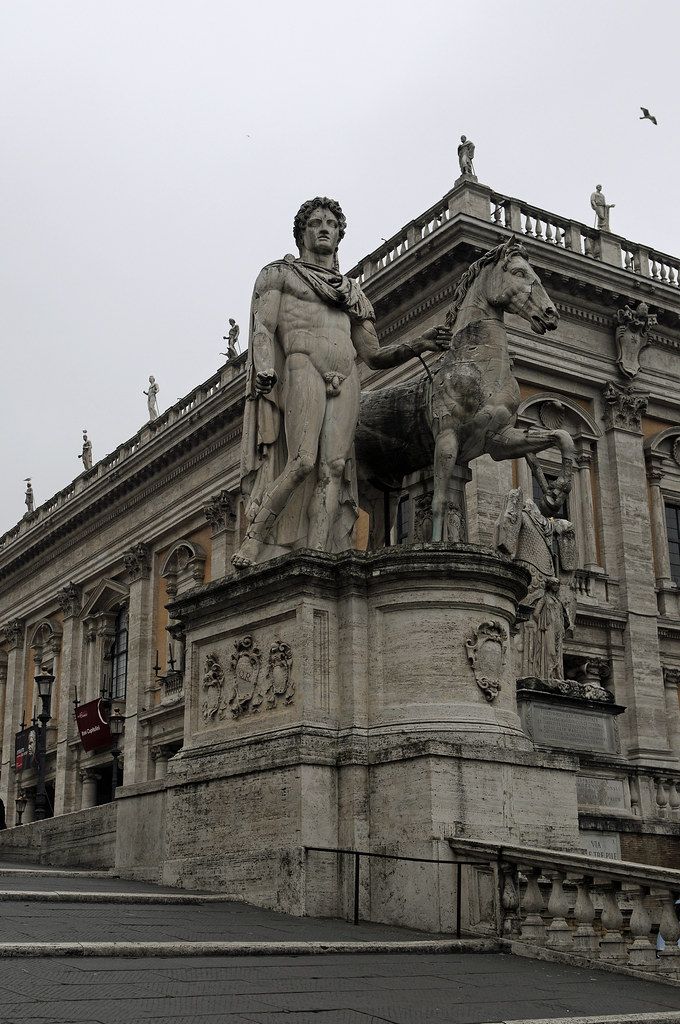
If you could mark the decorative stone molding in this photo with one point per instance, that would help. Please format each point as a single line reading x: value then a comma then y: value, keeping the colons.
x: 137, y: 562
x: 486, y: 651
x: 623, y: 406
x: 278, y: 674
x: 183, y: 567
x: 552, y: 414
x: 45, y: 643
x: 572, y: 688
x: 14, y: 633
x: 219, y: 512
x: 69, y: 600
x: 422, y: 518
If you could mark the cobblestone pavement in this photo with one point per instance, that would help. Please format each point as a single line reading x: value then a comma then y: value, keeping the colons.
x: 362, y: 989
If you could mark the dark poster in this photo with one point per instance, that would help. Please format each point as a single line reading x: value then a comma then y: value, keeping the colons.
x: 92, y: 725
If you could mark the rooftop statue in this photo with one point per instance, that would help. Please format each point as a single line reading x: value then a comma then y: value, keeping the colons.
x: 468, y: 405
x: 151, y: 400
x: 601, y: 208
x: 86, y: 454
x: 308, y: 322
x: 466, y: 154
x: 29, y: 499
x: 231, y: 339
x: 632, y: 336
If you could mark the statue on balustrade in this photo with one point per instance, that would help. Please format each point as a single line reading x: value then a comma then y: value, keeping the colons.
x: 86, y: 454
x: 231, y: 339
x: 308, y: 322
x: 466, y: 404
x: 632, y: 336
x: 601, y: 208
x: 466, y: 154
x: 547, y: 548
x: 29, y: 499
x: 151, y: 399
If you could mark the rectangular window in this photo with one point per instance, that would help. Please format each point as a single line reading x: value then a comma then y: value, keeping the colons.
x: 673, y: 534
x: 119, y: 656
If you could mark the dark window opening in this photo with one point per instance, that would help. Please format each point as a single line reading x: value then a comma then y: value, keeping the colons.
x: 563, y: 511
x: 673, y: 534
x: 403, y: 519
x: 119, y: 651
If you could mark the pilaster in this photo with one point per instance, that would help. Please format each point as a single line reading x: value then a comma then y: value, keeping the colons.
x: 655, y: 475
x: 140, y: 662
x: 627, y: 509
x: 219, y: 512
x: 15, y: 640
x: 69, y: 598
x: 584, y: 497
x: 671, y: 682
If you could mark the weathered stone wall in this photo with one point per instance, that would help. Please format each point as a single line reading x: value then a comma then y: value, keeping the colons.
x: 83, y: 839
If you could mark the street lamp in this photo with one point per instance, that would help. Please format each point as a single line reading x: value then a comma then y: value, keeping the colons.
x: 20, y: 804
x: 116, y: 728
x: 44, y: 683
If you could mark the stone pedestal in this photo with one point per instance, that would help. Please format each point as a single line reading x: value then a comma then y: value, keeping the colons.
x: 351, y: 701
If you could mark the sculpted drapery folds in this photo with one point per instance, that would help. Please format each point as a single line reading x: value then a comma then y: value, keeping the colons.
x: 308, y: 323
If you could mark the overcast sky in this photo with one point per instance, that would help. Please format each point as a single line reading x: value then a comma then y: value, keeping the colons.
x: 154, y: 153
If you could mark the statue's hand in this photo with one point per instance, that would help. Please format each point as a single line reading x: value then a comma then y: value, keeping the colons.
x: 435, y: 339
x: 265, y: 381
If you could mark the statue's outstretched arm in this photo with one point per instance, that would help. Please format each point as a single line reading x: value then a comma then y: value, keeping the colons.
x: 366, y: 343
x: 266, y: 305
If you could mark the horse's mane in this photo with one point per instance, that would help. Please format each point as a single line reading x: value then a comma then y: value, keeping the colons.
x: 506, y: 249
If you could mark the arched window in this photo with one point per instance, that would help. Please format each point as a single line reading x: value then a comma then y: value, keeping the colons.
x: 119, y: 651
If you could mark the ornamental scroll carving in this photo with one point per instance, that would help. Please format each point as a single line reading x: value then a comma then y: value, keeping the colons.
x: 69, y: 600
x: 137, y: 562
x: 213, y: 684
x: 246, y: 662
x: 632, y: 336
x: 278, y: 674
x: 486, y: 651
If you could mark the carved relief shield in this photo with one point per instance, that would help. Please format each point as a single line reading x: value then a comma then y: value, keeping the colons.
x: 486, y: 651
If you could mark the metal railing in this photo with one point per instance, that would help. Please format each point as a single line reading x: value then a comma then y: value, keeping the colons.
x: 358, y: 854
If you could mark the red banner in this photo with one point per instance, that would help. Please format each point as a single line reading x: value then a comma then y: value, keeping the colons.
x: 92, y: 725
x: 25, y: 749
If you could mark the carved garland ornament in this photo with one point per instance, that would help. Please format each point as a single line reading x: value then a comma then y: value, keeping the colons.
x: 486, y: 650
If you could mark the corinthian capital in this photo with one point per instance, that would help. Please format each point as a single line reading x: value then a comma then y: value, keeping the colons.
x: 14, y: 632
x: 624, y: 407
x: 69, y: 599
x: 137, y: 562
x: 219, y: 511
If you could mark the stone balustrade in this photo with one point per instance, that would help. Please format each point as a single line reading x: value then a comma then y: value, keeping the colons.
x: 127, y: 449
x: 528, y: 221
x: 606, y: 911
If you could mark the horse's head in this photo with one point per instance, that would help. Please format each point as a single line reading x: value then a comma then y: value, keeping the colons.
x: 515, y: 288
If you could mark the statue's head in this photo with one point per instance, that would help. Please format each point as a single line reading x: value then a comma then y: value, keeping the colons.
x: 598, y: 188
x: 232, y: 321
x: 463, y: 138
x: 152, y: 379
x: 319, y: 225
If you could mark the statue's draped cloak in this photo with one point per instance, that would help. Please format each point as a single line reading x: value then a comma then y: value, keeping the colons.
x: 264, y: 452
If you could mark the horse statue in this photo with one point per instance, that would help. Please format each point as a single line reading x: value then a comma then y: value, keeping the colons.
x: 467, y: 406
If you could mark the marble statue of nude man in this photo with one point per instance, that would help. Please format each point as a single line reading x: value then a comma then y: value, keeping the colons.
x: 308, y: 324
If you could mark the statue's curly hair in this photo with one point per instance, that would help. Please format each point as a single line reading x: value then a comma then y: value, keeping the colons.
x: 306, y: 210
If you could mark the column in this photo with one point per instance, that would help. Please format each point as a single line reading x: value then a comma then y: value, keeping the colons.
x: 70, y: 668
x: 160, y: 757
x: 3, y: 692
x: 219, y: 512
x: 140, y: 659
x: 671, y: 682
x: 655, y: 474
x: 584, y: 486
x: 89, y: 779
x: 524, y: 478
x: 626, y: 512
x: 14, y: 701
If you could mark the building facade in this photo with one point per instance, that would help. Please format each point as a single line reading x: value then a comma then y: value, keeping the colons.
x: 86, y: 578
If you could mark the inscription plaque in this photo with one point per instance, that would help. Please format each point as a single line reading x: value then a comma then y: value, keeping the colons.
x: 606, y: 845
x: 596, y: 791
x: 560, y: 725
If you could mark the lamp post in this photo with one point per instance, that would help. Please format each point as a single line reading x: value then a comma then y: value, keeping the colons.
x: 44, y: 683
x: 116, y: 728
x: 20, y: 804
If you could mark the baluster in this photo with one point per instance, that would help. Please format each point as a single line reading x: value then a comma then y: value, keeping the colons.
x: 558, y: 934
x: 634, y: 789
x: 675, y: 277
x: 528, y: 228
x: 587, y: 246
x: 627, y: 260
x: 612, y: 945
x: 642, y: 952
x: 532, y: 927
x: 509, y: 899
x: 560, y: 237
x: 497, y: 213
x: 549, y: 236
x: 584, y: 937
x: 656, y: 269
x: 665, y: 276
x: 669, y: 930
x: 673, y: 795
x: 661, y: 796
x: 539, y: 229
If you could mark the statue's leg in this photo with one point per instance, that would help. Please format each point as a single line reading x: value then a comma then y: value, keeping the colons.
x: 514, y: 442
x: 303, y: 417
x: 335, y: 444
x: 445, y: 455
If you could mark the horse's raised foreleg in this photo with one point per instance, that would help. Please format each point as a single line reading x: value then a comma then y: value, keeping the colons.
x: 445, y: 455
x: 513, y: 442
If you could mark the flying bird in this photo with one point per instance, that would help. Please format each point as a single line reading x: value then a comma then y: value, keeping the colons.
x: 646, y: 116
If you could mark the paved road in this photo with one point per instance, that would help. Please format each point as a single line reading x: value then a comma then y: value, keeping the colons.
x: 459, y: 989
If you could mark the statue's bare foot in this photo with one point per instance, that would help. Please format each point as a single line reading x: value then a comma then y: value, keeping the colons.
x: 247, y: 555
